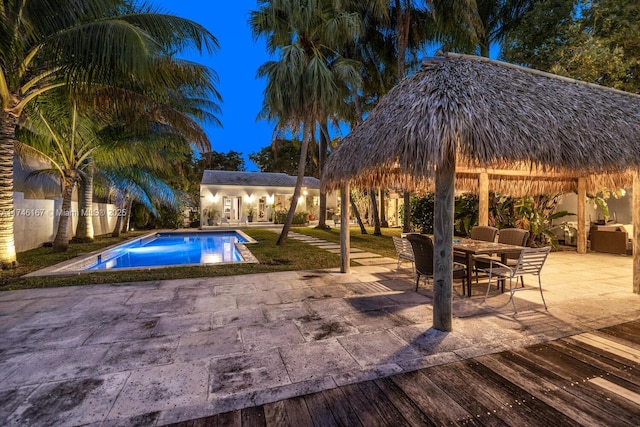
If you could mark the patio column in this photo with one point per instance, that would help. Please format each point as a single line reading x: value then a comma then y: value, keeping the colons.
x: 582, y: 224
x: 345, y: 239
x: 483, y: 199
x: 635, y: 197
x: 443, y: 245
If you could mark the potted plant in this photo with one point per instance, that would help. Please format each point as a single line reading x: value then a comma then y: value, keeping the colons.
x: 250, y: 212
x: 210, y: 215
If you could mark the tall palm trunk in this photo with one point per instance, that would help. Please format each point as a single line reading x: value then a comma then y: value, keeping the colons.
x: 383, y: 209
x: 403, y: 11
x: 374, y: 213
x: 406, y: 217
x: 7, y: 147
x: 356, y: 213
x: 121, y: 202
x: 84, y: 229
x: 127, y: 216
x: 322, y: 157
x: 296, y: 192
x: 61, y: 241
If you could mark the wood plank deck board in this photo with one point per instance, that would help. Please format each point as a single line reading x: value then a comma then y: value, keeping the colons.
x: 343, y: 412
x: 627, y: 331
x: 580, y: 411
x: 432, y: 400
x: 412, y: 414
x: 574, y: 375
x: 585, y: 354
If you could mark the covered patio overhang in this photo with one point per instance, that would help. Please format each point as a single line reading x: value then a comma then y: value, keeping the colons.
x: 470, y: 123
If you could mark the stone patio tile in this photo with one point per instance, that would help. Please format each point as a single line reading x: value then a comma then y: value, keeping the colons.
x: 235, y: 289
x: 389, y: 262
x: 273, y: 285
x: 164, y: 387
x: 378, y: 348
x: 177, y: 306
x: 331, y: 307
x: 71, y: 336
x: 215, y: 303
x: 176, y: 325
x: 376, y: 320
x: 123, y: 331
x: 316, y: 328
x: 359, y: 255
x: 257, y: 299
x: 370, y: 302
x: 13, y: 398
x: 51, y: 313
x: 333, y: 291
x: 317, y: 360
x: 9, y: 363
x: 151, y: 296
x: 297, y: 295
x: 203, y: 345
x: 133, y: 355
x: 287, y: 311
x: 56, y: 365
x: 413, y: 313
x: 75, y: 402
x: 238, y: 317
x: 246, y: 373
x: 430, y: 341
x: 367, y: 288
x: 270, y: 335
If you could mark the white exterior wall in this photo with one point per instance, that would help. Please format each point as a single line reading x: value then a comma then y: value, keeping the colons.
x: 36, y: 222
x: 211, y: 196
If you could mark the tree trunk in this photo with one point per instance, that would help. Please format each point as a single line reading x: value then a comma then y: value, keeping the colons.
x: 406, y: 217
x: 61, y: 241
x: 127, y: 216
x: 322, y: 157
x: 120, y: 204
x: 7, y: 147
x: 374, y: 213
x: 356, y: 213
x: 296, y: 192
x: 383, y: 210
x: 84, y: 229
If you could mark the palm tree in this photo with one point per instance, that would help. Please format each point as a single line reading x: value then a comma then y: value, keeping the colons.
x: 79, y: 46
x: 66, y: 141
x: 305, y: 83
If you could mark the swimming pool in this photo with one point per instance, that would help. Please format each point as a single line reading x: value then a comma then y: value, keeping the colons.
x: 164, y: 249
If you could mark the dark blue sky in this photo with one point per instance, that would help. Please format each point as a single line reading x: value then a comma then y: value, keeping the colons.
x: 236, y: 64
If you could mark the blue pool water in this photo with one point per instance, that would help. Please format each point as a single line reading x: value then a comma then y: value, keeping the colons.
x: 164, y: 249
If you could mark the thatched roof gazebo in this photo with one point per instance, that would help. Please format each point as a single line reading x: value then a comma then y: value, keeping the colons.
x: 462, y: 116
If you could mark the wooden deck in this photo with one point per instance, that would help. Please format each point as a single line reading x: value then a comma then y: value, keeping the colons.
x: 591, y: 379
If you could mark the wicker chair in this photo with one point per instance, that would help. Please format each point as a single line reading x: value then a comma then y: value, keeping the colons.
x: 483, y: 232
x: 423, y: 254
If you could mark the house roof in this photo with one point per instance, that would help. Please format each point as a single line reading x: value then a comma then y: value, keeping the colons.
x: 258, y: 179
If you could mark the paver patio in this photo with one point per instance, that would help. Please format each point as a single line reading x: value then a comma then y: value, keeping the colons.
x: 153, y: 353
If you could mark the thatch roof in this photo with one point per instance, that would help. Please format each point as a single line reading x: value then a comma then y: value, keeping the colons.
x: 492, y: 115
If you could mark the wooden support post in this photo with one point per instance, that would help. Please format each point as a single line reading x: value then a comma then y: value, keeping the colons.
x: 443, y: 246
x: 345, y: 238
x: 483, y: 199
x: 635, y: 211
x: 582, y: 223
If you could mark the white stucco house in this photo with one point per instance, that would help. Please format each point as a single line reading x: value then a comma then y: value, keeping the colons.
x: 227, y: 196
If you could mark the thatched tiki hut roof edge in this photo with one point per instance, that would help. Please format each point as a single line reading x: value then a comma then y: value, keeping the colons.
x: 471, y: 113
x: 491, y: 114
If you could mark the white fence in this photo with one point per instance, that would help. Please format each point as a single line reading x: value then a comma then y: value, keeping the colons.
x: 36, y: 220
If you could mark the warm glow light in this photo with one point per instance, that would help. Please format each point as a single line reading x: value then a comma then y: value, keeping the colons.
x: 249, y: 197
x: 304, y: 192
x: 215, y: 198
x: 300, y: 199
x: 270, y: 199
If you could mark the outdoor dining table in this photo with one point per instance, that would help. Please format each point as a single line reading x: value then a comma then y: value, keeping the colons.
x: 471, y: 247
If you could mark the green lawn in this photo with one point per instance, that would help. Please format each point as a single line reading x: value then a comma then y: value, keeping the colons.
x: 294, y: 255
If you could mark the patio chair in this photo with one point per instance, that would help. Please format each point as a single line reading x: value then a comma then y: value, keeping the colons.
x: 404, y: 251
x: 531, y: 261
x: 483, y: 232
x: 423, y: 259
x: 479, y: 232
x: 509, y: 236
